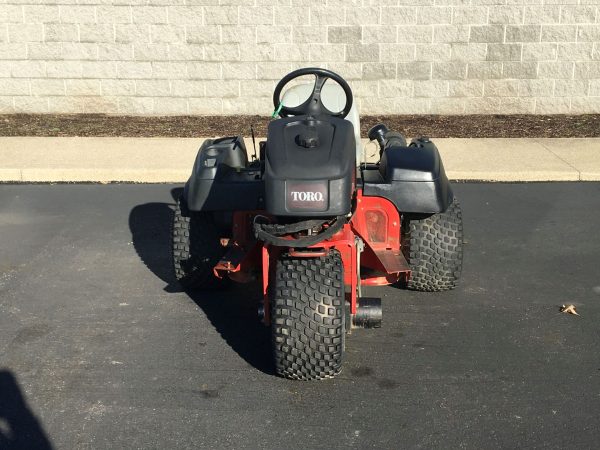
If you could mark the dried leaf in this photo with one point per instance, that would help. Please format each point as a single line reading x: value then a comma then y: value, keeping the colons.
x: 568, y: 309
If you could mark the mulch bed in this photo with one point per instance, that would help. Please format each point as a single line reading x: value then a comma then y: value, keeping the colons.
x: 473, y: 126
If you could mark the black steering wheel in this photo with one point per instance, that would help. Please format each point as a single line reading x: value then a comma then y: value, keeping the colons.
x: 313, y: 105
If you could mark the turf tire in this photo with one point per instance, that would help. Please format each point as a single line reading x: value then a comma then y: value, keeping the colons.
x: 196, y: 249
x: 307, y: 317
x: 433, y: 247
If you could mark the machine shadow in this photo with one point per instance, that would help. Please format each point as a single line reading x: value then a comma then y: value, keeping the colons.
x: 19, y: 428
x: 233, y: 312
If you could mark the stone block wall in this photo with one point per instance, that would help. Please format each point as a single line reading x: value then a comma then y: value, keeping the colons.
x: 166, y: 57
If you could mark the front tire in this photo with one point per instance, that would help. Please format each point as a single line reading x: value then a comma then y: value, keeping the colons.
x: 307, y: 317
x: 433, y: 247
x: 196, y: 249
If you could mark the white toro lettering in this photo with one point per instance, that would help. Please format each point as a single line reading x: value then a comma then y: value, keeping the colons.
x: 307, y: 196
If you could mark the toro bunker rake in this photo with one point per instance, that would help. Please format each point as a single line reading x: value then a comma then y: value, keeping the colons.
x: 316, y: 224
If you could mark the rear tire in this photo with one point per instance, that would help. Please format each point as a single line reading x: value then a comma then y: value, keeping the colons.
x: 307, y: 317
x: 433, y: 247
x: 196, y: 249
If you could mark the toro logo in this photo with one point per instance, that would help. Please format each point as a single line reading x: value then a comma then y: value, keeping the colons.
x: 306, y: 196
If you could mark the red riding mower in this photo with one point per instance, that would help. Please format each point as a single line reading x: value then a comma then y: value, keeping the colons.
x: 316, y: 224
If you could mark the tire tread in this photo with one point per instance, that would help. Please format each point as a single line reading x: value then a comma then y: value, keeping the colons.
x: 307, y: 317
x: 195, y: 249
x: 433, y: 247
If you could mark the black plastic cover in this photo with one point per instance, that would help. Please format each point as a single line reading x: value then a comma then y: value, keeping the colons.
x: 309, y: 180
x: 222, y: 180
x: 413, y: 178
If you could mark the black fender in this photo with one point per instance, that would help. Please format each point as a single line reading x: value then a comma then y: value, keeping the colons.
x: 222, y: 179
x: 411, y: 177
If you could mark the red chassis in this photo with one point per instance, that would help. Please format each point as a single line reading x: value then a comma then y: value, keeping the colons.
x: 374, y: 228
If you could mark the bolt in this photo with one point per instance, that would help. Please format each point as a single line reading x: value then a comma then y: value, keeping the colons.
x: 261, y: 311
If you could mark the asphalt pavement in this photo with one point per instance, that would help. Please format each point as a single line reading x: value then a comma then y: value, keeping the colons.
x: 99, y: 348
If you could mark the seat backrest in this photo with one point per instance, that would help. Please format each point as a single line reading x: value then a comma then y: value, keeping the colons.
x: 334, y: 99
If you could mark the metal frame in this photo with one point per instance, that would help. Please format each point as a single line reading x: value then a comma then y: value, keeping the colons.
x: 382, y: 257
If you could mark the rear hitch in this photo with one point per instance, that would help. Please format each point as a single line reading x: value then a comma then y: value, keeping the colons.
x: 368, y: 313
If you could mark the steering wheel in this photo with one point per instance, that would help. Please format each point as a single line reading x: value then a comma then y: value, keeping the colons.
x: 313, y: 105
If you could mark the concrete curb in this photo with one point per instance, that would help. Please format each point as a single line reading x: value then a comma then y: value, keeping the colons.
x: 162, y: 160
